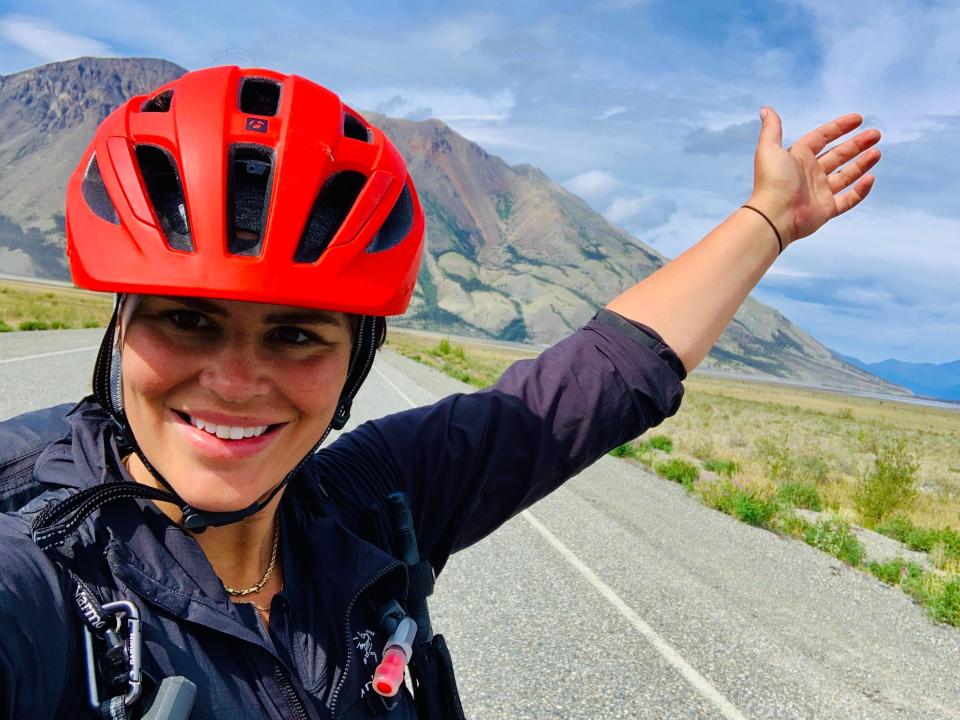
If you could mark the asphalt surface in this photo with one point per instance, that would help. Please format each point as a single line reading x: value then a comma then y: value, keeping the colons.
x: 622, y: 597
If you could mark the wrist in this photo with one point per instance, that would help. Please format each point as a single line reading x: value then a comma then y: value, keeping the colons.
x: 778, y: 214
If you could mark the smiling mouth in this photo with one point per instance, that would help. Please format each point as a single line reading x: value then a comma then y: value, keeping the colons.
x: 228, y: 432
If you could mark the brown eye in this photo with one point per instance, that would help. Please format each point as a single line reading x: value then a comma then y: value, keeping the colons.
x: 187, y: 320
x: 290, y: 335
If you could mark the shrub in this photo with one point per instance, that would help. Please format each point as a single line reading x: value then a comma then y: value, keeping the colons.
x: 661, y: 442
x: 33, y: 325
x: 811, y: 469
x: 459, y: 352
x: 750, y: 503
x: 800, y: 495
x: 58, y: 325
x: 779, y: 463
x: 889, y: 485
x: 792, y: 524
x: 680, y: 471
x: 939, y: 594
x: 4, y: 327
x: 627, y: 450
x: 943, y: 544
x: 443, y: 347
x: 894, y: 572
x: 91, y: 323
x: 834, y: 536
x: 727, y: 468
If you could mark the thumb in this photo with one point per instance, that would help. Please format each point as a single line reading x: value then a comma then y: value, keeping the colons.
x: 771, y: 129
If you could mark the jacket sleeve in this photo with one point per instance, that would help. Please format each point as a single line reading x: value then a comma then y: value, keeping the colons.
x: 470, y: 462
x: 35, y: 628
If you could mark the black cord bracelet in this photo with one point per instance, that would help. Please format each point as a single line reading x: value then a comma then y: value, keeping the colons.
x: 770, y: 223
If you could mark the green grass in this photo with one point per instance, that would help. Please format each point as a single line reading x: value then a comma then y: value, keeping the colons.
x: 895, y: 572
x: 800, y: 495
x: 726, y: 468
x: 660, y: 442
x: 33, y: 325
x: 751, y: 504
x: 679, y: 471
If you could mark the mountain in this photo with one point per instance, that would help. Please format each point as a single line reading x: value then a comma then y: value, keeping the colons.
x: 48, y: 115
x: 510, y: 254
x: 936, y: 381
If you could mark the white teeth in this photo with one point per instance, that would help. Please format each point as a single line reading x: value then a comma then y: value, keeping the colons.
x: 229, y: 432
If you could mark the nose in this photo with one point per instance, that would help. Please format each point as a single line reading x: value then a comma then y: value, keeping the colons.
x: 235, y: 373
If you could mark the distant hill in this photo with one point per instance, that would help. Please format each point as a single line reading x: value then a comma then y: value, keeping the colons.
x: 936, y: 381
x: 510, y: 254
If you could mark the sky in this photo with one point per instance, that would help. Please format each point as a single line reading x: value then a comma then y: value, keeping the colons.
x: 648, y: 109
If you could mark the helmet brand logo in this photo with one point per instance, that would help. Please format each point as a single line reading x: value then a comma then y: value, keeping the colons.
x: 257, y: 125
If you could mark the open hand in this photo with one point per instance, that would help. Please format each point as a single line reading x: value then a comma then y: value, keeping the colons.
x: 798, y: 187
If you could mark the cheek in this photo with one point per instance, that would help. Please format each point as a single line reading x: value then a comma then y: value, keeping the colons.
x: 149, y: 369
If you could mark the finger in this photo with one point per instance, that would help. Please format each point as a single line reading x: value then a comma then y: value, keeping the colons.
x: 849, y: 174
x: 835, y: 157
x: 855, y: 195
x: 817, y: 140
x: 771, y: 128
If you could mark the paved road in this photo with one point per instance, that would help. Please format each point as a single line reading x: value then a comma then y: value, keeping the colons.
x: 621, y: 597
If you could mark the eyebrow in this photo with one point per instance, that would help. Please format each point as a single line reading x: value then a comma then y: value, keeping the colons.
x: 284, y: 317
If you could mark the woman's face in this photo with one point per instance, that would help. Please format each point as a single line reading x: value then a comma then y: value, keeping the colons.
x: 225, y: 397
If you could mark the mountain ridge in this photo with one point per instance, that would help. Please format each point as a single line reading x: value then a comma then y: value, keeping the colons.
x: 509, y: 253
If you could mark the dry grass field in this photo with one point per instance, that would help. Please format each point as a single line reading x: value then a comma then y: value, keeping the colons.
x: 26, y: 305
x: 775, y: 434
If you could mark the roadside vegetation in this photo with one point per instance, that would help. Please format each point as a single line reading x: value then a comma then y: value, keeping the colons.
x: 27, y: 306
x: 807, y: 464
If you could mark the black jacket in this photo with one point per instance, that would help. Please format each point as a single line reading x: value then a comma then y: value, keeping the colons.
x: 468, y: 462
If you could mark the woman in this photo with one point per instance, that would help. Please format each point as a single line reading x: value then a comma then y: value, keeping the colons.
x: 257, y: 231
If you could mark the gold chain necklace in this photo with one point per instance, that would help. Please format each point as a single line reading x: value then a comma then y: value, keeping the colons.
x: 266, y: 575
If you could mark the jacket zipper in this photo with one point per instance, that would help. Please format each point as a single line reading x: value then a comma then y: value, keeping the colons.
x: 335, y: 698
x: 290, y: 695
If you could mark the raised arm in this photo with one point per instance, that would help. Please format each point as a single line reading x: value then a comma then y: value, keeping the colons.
x: 691, y: 299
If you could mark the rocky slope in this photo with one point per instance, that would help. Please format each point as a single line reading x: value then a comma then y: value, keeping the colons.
x: 510, y: 254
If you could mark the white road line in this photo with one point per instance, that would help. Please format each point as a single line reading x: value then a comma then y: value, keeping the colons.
x: 400, y: 392
x: 698, y: 681
x: 43, y: 355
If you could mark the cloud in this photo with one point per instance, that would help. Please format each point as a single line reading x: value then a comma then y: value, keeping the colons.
x: 736, y: 139
x: 593, y: 184
x: 48, y: 42
x: 451, y: 106
x: 611, y: 111
x: 645, y: 211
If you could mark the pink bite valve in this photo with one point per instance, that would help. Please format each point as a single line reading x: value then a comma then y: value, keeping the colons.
x: 388, y: 677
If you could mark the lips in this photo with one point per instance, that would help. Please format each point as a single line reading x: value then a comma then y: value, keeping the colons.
x: 221, y: 428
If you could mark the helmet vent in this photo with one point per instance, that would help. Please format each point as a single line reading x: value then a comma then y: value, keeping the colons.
x: 158, y: 103
x: 259, y: 96
x: 251, y: 175
x: 159, y: 172
x: 397, y: 225
x: 354, y: 128
x: 333, y: 203
x: 95, y: 194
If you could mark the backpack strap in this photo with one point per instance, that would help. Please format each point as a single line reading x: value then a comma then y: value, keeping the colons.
x: 22, y: 439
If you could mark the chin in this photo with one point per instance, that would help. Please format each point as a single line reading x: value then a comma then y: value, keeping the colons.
x: 220, y: 494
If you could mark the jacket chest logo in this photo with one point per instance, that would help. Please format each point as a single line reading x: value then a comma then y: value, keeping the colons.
x: 364, y: 643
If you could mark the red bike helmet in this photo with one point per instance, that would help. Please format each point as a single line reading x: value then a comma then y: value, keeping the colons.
x: 244, y: 185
